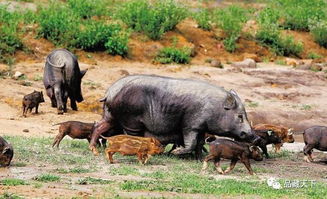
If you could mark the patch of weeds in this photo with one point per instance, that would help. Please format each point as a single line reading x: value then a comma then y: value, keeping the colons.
x: 13, y: 182
x: 203, y: 18
x: 19, y: 164
x: 87, y: 8
x: 47, y: 178
x: 253, y: 104
x: 156, y: 175
x: 319, y: 32
x: 313, y: 55
x: 37, y: 185
x: 7, y: 195
x: 90, y: 180
x: 174, y: 55
x: 280, y: 62
x: 37, y: 78
x: 153, y: 19
x: 231, y: 21
x: 124, y: 170
x: 306, y: 107
x: 282, y: 154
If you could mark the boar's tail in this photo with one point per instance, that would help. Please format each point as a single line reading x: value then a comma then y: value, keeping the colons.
x: 210, y: 139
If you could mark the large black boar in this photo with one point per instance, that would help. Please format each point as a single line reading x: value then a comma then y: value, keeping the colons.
x: 62, y: 79
x: 6, y: 152
x: 314, y: 138
x: 172, y: 110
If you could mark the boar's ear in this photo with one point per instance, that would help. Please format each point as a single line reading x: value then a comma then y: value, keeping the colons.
x: 83, y: 73
x: 230, y: 102
x: 251, y: 149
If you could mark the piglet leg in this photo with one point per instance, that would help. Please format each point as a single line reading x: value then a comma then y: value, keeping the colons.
x: 231, y: 166
x: 218, y: 168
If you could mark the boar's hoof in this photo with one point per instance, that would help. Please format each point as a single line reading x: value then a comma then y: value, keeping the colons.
x: 306, y: 159
x: 94, y: 150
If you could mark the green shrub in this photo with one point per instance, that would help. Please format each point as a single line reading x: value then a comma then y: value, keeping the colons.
x: 87, y: 8
x: 9, y: 34
x: 231, y: 20
x: 203, y: 19
x: 319, y: 32
x: 269, y: 34
x: 12, y: 182
x: 151, y: 19
x: 117, y: 44
x: 172, y: 54
x: 297, y: 14
x: 313, y: 55
x: 58, y: 24
x: 47, y: 178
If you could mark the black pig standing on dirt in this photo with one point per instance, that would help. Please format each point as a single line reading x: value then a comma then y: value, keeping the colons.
x: 232, y: 150
x: 62, y: 79
x: 6, y: 152
x: 314, y: 137
x: 32, y: 100
x: 173, y: 111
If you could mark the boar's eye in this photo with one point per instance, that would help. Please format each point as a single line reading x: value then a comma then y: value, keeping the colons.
x: 241, y: 118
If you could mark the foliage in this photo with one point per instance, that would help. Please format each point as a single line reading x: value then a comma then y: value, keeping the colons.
x: 313, y: 55
x: 9, y: 34
x: 172, y: 54
x: 296, y: 14
x: 12, y: 182
x: 87, y: 8
x: 57, y: 23
x: 203, y: 19
x: 319, y: 32
x: 231, y: 20
x: 152, y: 19
x: 90, y: 180
x: 47, y: 178
x: 269, y: 34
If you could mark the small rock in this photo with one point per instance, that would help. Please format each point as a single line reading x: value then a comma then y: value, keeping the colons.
x: 17, y: 75
x: 247, y: 63
x: 124, y: 72
x: 216, y: 63
x: 26, y: 130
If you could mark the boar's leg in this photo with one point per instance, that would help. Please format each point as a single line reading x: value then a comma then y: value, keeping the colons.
x: 231, y: 166
x: 205, y: 162
x: 217, y: 164
x: 307, y: 150
x: 199, y: 147
x: 73, y: 104
x: 190, y: 142
x: 58, y: 139
x: 277, y: 147
x: 246, y: 162
x: 146, y: 158
x: 37, y: 108
x: 59, y: 100
x: 100, y: 128
x: 65, y: 101
x: 24, y: 110
x: 264, y: 150
x: 109, y: 153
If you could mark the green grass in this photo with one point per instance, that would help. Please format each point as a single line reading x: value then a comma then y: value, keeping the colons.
x: 280, y: 62
x: 71, y: 152
x: 124, y: 170
x: 313, y: 55
x: 12, y: 182
x: 169, y: 55
x: 74, y: 170
x: 319, y: 32
x: 203, y: 19
x: 194, y: 183
x: 47, y: 178
x: 90, y: 180
x: 8, y: 195
x: 253, y: 104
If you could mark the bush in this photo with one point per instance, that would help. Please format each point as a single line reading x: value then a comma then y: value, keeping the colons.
x: 9, y: 34
x: 203, y: 19
x: 152, y: 19
x: 319, y: 32
x: 269, y: 34
x: 231, y: 21
x: 58, y: 24
x: 96, y: 35
x: 298, y: 13
x: 172, y: 54
x: 87, y: 8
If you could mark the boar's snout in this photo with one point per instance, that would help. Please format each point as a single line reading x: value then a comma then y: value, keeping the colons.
x: 256, y: 154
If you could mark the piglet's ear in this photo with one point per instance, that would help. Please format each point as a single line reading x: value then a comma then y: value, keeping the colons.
x: 83, y: 73
x: 251, y: 148
x: 230, y: 102
x: 269, y: 132
x: 5, y: 150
